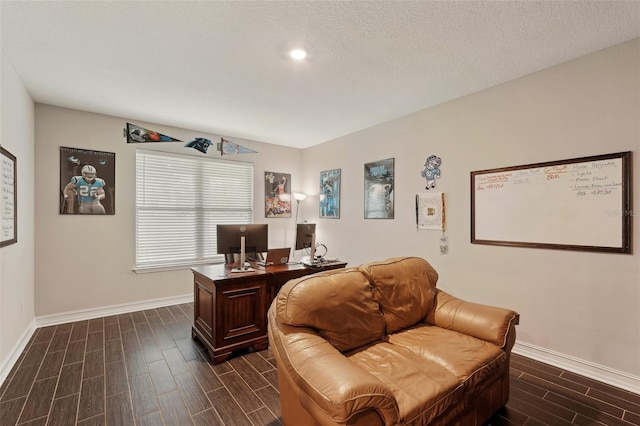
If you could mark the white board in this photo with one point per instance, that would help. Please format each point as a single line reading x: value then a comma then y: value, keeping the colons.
x: 579, y: 204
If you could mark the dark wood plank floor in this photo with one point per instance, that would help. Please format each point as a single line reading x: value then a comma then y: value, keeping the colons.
x: 143, y: 368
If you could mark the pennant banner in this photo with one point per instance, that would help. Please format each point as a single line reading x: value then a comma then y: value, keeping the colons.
x: 137, y: 134
x: 201, y: 144
x: 228, y: 148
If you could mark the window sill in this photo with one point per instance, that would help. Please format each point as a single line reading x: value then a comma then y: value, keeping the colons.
x: 151, y: 269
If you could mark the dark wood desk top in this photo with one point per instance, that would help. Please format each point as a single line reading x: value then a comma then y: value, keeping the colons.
x: 223, y: 271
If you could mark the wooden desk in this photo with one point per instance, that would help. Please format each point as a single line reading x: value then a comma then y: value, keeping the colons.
x: 230, y: 308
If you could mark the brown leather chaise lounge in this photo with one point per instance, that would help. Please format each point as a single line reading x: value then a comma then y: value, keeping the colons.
x: 381, y: 345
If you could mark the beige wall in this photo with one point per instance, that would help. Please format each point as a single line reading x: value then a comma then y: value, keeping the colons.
x: 86, y: 262
x: 17, y: 260
x: 582, y: 305
x: 579, y: 306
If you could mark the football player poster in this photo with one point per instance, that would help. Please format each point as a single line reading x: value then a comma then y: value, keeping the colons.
x: 87, y: 181
x: 330, y: 194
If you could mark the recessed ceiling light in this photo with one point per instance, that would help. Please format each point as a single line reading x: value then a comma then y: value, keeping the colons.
x: 298, y: 54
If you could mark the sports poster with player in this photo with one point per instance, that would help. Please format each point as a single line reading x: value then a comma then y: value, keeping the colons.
x: 87, y: 181
x: 379, y: 189
x: 277, y: 194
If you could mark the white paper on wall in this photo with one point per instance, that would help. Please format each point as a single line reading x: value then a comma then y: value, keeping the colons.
x: 430, y: 210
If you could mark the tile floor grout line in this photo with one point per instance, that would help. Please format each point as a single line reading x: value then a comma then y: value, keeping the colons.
x: 35, y: 378
x: 247, y: 384
x: 55, y: 389
x: 550, y: 384
x: 126, y: 372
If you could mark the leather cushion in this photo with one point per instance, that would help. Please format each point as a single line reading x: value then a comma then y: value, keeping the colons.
x: 339, y: 304
x: 422, y: 388
x: 475, y: 362
x: 405, y: 288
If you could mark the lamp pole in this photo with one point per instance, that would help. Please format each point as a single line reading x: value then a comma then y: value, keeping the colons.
x: 299, y: 196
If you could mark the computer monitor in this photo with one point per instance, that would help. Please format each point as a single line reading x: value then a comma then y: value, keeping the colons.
x: 242, y: 238
x: 306, y: 238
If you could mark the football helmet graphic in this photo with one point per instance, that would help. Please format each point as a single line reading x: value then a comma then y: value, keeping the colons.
x: 138, y: 134
x: 89, y: 173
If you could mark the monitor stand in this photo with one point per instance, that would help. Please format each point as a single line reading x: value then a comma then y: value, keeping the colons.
x: 243, y: 259
x: 312, y: 254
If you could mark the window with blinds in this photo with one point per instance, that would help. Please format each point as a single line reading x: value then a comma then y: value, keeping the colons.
x: 179, y: 201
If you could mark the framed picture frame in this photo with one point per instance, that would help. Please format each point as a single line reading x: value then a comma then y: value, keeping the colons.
x: 379, y: 189
x: 9, y: 198
x: 87, y: 181
x: 330, y: 194
x: 277, y: 195
x: 430, y: 210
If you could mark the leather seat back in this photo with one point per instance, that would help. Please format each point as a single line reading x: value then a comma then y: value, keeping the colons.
x: 339, y: 304
x: 405, y: 288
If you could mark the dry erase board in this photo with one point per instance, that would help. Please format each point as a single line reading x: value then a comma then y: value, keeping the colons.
x: 577, y: 204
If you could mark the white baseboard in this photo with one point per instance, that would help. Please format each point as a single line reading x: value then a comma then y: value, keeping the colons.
x: 84, y: 314
x: 17, y: 350
x: 594, y: 371
x: 105, y: 311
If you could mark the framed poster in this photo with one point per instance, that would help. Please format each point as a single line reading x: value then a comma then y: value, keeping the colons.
x: 9, y: 198
x: 330, y: 194
x: 576, y: 204
x: 277, y: 194
x: 87, y: 181
x: 378, y: 189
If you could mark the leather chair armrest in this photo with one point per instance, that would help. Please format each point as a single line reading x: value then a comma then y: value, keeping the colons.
x: 485, y: 322
x: 329, y: 379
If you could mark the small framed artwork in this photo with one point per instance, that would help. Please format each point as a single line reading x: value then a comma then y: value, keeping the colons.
x: 277, y: 194
x: 330, y: 194
x: 430, y: 210
x: 9, y: 198
x: 378, y: 189
x: 87, y: 181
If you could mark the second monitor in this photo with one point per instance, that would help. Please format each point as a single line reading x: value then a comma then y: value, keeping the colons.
x: 306, y: 239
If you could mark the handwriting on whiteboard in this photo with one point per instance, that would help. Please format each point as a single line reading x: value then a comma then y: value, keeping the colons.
x: 583, y: 179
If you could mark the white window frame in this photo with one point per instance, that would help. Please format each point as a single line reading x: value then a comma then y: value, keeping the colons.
x: 179, y: 201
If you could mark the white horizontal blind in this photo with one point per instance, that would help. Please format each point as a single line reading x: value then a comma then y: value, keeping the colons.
x: 179, y: 201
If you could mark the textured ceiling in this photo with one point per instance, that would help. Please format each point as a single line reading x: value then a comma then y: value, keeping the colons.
x: 221, y: 67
